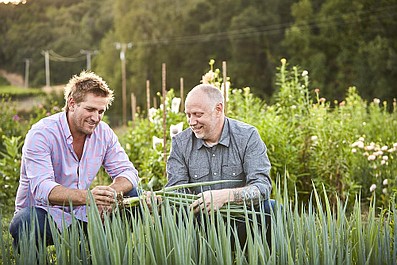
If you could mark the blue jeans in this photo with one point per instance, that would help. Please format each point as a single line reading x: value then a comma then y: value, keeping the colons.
x: 23, y: 220
x: 266, y: 208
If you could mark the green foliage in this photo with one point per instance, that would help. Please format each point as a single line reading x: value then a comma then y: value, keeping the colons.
x: 313, y: 234
x: 13, y: 128
x: 251, y: 36
x: 4, y: 82
x: 19, y: 92
x: 10, y: 164
x: 306, y: 135
x: 143, y: 141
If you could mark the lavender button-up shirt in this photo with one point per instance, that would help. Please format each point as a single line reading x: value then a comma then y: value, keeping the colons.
x: 48, y: 160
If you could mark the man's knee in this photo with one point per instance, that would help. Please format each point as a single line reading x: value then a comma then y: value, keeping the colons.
x: 132, y: 193
x: 28, y: 218
x: 270, y: 206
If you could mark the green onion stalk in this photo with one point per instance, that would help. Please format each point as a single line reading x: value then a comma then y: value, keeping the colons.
x: 180, y: 199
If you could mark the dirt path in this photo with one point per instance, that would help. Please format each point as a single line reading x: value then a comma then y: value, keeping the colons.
x: 14, y: 79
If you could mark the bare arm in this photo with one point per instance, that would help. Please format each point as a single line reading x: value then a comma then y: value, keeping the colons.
x: 218, y: 198
x: 121, y: 184
x: 103, y: 195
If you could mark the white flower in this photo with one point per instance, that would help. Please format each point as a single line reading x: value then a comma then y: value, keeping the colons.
x: 175, y: 103
x: 175, y: 129
x: 6, y: 186
x: 371, y: 157
x: 372, y: 188
x: 384, y: 190
x: 385, y: 182
x: 378, y: 153
x: 395, y: 145
x: 151, y: 113
x: 354, y: 150
x: 382, y: 162
x: 385, y: 158
x: 305, y: 73
x: 376, y: 101
x: 369, y: 147
x: 359, y: 144
x: 208, y: 77
x: 314, y: 138
x: 384, y: 148
x: 157, y: 141
x: 361, y: 139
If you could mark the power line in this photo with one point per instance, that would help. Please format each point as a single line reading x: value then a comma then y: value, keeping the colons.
x: 274, y: 28
x: 53, y: 56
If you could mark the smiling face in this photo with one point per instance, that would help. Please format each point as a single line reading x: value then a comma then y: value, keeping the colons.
x: 85, y: 116
x: 205, y: 116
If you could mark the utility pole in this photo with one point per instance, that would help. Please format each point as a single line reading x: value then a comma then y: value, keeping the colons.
x: 123, y: 47
x: 47, y: 67
x: 27, y: 62
x: 88, y: 54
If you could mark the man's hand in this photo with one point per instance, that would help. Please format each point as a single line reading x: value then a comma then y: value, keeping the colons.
x: 104, y: 195
x: 151, y: 197
x: 217, y: 198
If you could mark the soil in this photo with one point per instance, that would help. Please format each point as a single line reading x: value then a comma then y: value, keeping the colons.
x: 14, y: 79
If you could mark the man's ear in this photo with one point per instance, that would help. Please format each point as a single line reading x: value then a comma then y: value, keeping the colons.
x: 71, y: 103
x: 219, y: 107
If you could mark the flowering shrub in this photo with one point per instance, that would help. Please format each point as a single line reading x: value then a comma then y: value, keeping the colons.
x: 377, y: 162
x: 143, y: 141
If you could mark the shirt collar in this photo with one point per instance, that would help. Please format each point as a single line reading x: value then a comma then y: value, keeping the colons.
x: 65, y: 127
x: 225, y: 136
x: 66, y: 130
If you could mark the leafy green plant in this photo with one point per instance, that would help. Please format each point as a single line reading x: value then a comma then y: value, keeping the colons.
x: 19, y: 92
x: 9, y: 169
x: 311, y: 232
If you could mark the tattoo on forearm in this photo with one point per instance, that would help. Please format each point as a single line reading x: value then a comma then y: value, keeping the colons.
x: 248, y: 195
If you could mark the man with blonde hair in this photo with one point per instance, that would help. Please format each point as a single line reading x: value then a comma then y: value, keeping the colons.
x: 61, y: 156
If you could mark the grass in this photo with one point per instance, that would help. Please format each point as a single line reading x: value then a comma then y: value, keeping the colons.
x: 15, y: 92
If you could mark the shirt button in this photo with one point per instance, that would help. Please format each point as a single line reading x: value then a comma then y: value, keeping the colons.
x: 215, y: 174
x: 213, y: 154
x: 195, y: 176
x: 234, y: 174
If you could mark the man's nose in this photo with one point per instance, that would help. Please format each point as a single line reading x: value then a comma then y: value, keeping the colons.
x: 191, y: 121
x: 96, y: 116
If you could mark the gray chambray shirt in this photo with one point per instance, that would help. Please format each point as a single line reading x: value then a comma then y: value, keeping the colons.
x: 239, y: 155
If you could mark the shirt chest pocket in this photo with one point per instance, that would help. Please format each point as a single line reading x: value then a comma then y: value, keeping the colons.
x: 233, y: 172
x: 199, y: 174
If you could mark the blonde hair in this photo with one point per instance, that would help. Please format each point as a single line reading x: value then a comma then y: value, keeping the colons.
x: 87, y: 82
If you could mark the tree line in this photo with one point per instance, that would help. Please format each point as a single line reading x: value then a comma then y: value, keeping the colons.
x: 341, y: 43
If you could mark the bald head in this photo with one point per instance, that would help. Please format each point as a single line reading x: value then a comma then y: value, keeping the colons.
x: 208, y: 94
x: 204, y: 112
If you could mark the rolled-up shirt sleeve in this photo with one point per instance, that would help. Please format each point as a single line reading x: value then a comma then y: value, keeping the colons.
x: 257, y: 165
x: 38, y: 166
x: 117, y: 163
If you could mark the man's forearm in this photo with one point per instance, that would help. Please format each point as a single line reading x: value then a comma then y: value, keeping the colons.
x: 61, y: 195
x: 121, y: 184
x: 249, y: 194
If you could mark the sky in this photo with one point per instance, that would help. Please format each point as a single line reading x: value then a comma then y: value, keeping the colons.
x: 13, y: 2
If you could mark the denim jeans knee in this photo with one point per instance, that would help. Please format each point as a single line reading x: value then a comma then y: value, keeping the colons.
x: 22, y: 220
